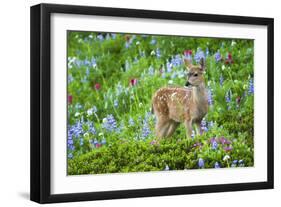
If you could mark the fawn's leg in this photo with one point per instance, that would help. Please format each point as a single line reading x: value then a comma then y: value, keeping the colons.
x: 172, y: 128
x: 162, y: 126
x: 188, y: 127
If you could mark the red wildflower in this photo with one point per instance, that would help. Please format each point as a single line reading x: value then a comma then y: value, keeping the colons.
x: 223, y: 141
x: 97, y: 86
x: 69, y: 99
x: 133, y: 81
x: 98, y: 145
x: 227, y: 149
x: 229, y: 59
x: 187, y: 52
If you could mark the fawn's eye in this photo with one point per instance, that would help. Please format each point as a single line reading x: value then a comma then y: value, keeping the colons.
x: 195, y: 75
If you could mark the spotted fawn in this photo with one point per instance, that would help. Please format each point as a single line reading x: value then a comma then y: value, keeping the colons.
x: 175, y: 105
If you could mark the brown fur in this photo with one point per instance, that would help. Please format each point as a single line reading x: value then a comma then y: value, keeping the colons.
x: 173, y: 105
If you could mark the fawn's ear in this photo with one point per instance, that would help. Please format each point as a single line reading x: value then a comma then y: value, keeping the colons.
x: 187, y: 63
x: 202, y: 64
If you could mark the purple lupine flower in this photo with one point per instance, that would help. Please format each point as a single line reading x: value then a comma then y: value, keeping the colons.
x: 221, y: 80
x: 241, y: 163
x: 199, y: 55
x: 217, y: 165
x: 100, y: 37
x: 91, y: 127
x: 127, y: 44
x: 203, y: 125
x: 210, y: 97
x: 109, y: 123
x: 142, y: 53
x: 93, y: 62
x: 169, y: 67
x: 177, y: 61
x: 153, y: 41
x: 217, y: 56
x: 201, y: 163
x: 158, y: 53
x: 103, y: 141
x: 228, y: 96
x: 151, y: 70
x: 70, y: 155
x: 251, y: 87
x: 207, y: 51
x: 234, y: 163
x: 107, y: 37
x: 127, y: 65
x: 145, y: 129
x: 214, y: 145
x: 167, y: 168
x: 113, y: 35
x: 131, y: 122
x: 210, y: 124
x: 192, y: 134
x: 115, y: 103
x: 81, y: 141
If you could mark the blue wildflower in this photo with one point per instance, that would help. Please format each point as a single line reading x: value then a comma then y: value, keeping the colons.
x: 177, y: 61
x: 210, y: 97
x: 127, y: 65
x: 113, y: 35
x: 109, y: 123
x: 145, y: 129
x: 207, y: 51
x: 93, y: 62
x: 91, y: 127
x: 103, y: 141
x: 214, y: 145
x: 234, y: 163
x: 153, y: 41
x: 221, y: 80
x: 70, y: 155
x: 201, y: 163
x: 217, y: 56
x: 228, y: 96
x: 158, y: 53
x: 210, y: 124
x: 251, y: 87
x: 100, y: 37
x: 241, y: 163
x: 199, y: 55
x: 217, y: 165
x: 151, y: 70
x: 169, y: 67
x: 131, y: 122
x: 204, y: 125
x: 192, y: 134
x: 81, y: 141
x: 115, y: 103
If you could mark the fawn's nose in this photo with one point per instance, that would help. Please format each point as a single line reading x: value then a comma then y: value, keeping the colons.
x: 187, y: 83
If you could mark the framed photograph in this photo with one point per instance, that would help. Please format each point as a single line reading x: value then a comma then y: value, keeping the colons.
x: 132, y: 103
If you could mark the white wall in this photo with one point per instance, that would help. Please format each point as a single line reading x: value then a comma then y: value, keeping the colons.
x: 14, y: 104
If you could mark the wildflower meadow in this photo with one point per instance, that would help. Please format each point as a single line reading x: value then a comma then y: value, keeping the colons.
x: 111, y: 81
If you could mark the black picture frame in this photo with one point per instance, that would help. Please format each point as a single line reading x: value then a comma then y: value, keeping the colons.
x: 41, y: 96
